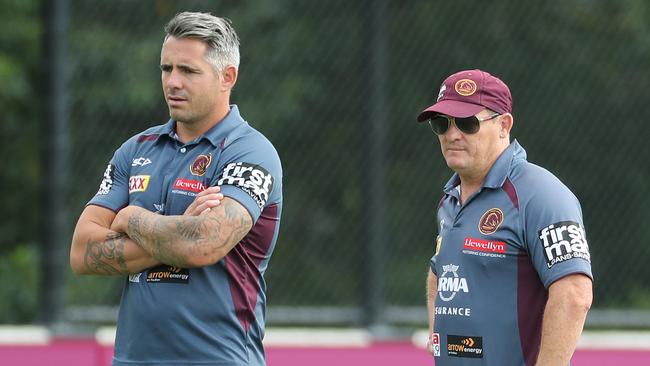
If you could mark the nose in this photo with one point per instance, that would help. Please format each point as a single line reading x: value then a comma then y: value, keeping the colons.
x: 171, y: 80
x: 452, y: 133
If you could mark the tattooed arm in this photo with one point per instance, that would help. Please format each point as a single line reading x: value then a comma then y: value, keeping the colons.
x: 98, y: 250
x: 186, y: 241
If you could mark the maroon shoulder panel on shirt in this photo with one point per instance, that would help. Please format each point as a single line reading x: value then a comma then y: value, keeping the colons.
x: 510, y: 190
x: 143, y: 138
x: 243, y: 261
x: 529, y: 305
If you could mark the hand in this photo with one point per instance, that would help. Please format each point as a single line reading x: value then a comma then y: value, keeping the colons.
x: 205, y: 201
x: 121, y: 221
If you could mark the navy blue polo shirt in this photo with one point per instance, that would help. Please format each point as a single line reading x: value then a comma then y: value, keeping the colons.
x: 495, y: 258
x: 212, y: 315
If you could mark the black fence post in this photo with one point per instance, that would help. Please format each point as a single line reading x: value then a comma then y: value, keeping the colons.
x: 374, y: 135
x: 54, y: 160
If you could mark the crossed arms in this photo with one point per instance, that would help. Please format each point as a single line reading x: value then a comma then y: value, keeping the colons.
x: 134, y: 239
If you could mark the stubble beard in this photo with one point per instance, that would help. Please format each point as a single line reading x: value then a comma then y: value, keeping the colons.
x: 184, y: 117
x: 458, y: 164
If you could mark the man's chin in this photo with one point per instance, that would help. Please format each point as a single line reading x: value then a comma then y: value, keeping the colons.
x: 179, y: 117
x: 455, y: 164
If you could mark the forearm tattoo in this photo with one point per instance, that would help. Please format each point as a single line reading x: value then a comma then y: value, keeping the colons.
x: 106, y: 257
x: 175, y: 240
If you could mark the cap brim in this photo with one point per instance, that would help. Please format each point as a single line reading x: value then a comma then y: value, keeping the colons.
x: 452, y: 108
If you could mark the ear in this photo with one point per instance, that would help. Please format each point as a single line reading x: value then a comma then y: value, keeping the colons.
x: 229, y: 77
x: 505, y: 125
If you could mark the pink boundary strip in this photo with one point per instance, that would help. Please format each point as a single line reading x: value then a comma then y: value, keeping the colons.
x: 86, y: 352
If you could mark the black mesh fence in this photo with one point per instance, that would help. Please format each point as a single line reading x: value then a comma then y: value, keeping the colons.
x: 336, y: 86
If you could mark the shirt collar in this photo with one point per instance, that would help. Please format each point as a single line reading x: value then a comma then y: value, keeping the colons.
x: 499, y: 170
x: 214, y: 135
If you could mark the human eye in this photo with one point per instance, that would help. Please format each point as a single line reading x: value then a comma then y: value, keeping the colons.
x: 188, y: 70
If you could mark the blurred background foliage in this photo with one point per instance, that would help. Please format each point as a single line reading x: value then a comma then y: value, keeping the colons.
x: 578, y: 71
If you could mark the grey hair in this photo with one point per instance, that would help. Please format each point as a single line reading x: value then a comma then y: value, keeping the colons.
x: 217, y: 33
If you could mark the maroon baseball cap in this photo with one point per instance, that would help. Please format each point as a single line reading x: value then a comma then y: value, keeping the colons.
x: 468, y: 92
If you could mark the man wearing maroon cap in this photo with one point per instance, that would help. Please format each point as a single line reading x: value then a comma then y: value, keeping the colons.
x: 510, y: 282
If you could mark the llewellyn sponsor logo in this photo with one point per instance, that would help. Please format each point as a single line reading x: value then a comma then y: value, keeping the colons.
x: 189, y: 185
x: 485, y: 246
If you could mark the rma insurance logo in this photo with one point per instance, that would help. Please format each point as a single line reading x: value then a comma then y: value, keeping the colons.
x: 449, y: 283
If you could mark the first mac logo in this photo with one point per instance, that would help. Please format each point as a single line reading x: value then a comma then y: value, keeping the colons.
x: 251, y: 178
x: 563, y: 241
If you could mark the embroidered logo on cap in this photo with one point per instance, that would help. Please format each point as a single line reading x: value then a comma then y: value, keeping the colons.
x: 465, y: 87
x: 441, y: 93
x: 490, y: 221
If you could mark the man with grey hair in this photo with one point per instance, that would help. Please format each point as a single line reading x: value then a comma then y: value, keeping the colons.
x: 190, y: 211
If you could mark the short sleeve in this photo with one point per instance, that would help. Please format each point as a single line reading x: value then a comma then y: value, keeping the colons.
x: 251, y: 174
x: 113, y: 190
x: 555, y: 235
x: 432, y: 264
x: 438, y: 243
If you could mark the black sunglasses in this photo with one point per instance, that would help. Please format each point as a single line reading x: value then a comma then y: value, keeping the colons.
x: 440, y: 123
